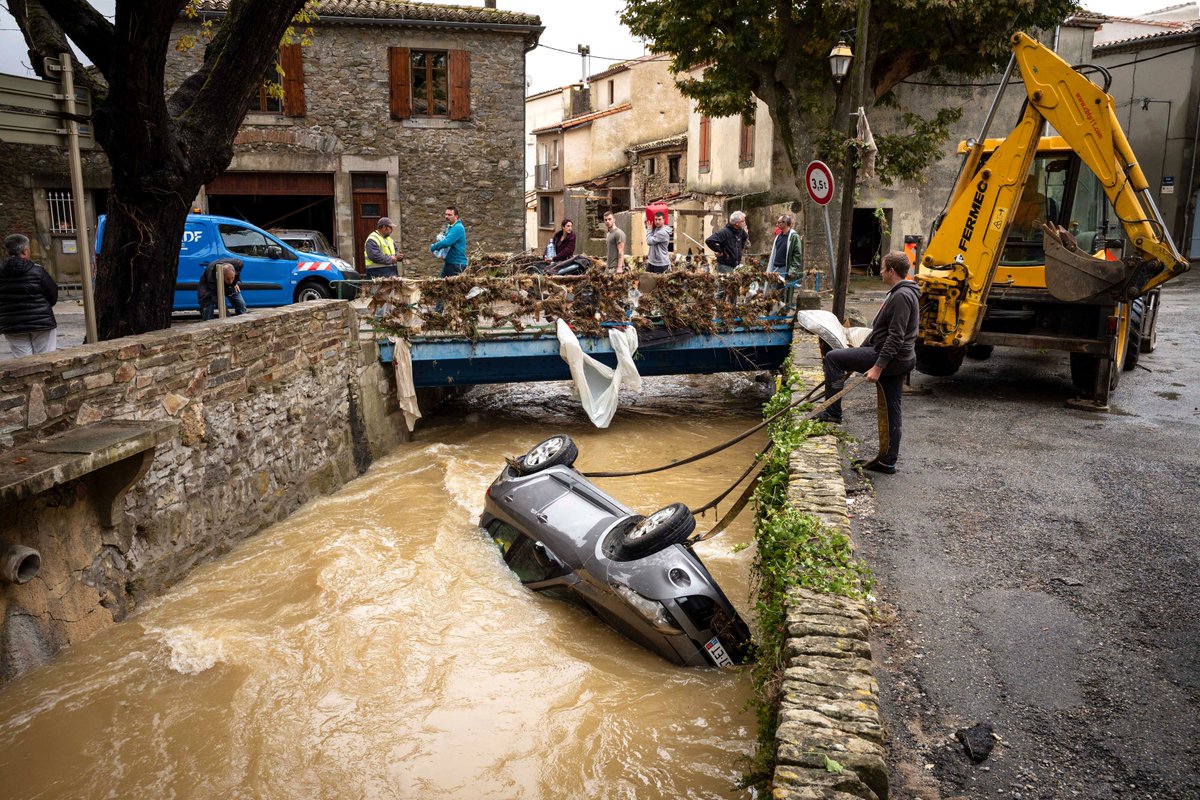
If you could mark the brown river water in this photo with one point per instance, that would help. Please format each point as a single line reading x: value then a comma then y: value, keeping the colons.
x: 374, y: 645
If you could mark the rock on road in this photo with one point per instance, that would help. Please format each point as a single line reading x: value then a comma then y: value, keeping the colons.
x: 1037, y: 569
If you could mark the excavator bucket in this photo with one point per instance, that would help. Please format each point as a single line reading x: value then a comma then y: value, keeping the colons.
x: 1073, y: 275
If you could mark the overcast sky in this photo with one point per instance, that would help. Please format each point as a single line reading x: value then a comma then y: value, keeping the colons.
x: 568, y: 24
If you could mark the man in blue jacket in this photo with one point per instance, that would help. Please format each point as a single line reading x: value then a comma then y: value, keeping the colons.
x: 454, y: 243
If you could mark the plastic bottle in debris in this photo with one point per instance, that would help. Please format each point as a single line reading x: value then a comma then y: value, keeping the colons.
x: 550, y: 251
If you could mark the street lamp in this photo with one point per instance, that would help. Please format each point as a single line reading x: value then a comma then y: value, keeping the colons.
x: 839, y: 60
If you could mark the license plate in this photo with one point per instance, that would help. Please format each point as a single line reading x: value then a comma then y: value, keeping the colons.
x: 716, y: 651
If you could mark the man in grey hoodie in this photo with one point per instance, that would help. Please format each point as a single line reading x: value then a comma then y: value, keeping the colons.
x: 889, y: 354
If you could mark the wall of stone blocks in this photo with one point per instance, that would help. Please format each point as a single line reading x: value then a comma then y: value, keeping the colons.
x: 829, y: 706
x: 268, y: 408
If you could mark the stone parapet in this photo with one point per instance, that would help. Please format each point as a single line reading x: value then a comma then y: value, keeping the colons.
x: 829, y: 704
x: 270, y: 413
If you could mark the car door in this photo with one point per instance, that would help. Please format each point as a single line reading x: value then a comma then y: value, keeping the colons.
x: 196, y: 251
x: 268, y: 265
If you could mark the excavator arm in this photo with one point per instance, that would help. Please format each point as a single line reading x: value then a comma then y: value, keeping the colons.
x: 960, y: 263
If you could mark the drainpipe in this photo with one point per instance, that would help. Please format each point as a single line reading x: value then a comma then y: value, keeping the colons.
x: 18, y: 564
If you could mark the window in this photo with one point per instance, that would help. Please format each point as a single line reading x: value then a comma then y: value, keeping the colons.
x: 705, y: 151
x: 282, y: 89
x: 249, y: 242
x: 554, y: 153
x: 62, y: 210
x: 545, y: 212
x: 531, y: 561
x: 376, y: 181
x: 746, y: 145
x: 612, y: 92
x: 270, y: 92
x: 651, y: 165
x: 673, y: 169
x: 430, y: 83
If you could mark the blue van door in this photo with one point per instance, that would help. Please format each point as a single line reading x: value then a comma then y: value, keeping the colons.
x: 198, y: 248
x: 268, y: 265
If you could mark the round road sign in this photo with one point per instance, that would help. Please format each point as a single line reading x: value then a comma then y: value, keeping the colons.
x: 820, y: 182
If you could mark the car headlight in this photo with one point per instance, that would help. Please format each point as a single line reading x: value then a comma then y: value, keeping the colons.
x: 651, y: 610
x: 342, y: 265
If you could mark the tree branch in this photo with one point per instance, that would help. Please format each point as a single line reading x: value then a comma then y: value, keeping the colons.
x: 85, y: 26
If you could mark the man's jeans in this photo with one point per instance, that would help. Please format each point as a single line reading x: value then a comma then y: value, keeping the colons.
x: 234, y: 303
x: 388, y: 271
x: 841, y: 362
x: 26, y: 344
x: 450, y: 270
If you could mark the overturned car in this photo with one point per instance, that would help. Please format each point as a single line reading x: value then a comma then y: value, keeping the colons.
x: 561, y: 535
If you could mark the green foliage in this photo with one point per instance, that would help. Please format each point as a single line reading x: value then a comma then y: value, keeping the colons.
x: 778, y: 52
x: 793, y: 549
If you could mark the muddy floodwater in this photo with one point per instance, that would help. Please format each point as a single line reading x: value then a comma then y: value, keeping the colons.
x: 374, y: 645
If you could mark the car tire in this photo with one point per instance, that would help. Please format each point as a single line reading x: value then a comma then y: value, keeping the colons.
x: 312, y: 290
x: 665, y: 527
x: 558, y: 450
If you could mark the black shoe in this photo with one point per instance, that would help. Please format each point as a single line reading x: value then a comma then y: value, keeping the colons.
x: 875, y: 465
x: 829, y: 416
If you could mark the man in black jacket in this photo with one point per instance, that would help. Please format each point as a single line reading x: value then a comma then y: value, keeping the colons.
x: 206, y: 290
x: 889, y: 355
x: 729, y: 242
x: 27, y: 298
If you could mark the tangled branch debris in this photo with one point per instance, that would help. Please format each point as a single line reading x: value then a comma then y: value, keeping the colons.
x: 500, y: 295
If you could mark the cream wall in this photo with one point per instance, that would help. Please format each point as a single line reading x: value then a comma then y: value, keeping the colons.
x: 725, y: 175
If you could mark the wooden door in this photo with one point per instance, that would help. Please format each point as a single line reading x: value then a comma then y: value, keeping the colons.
x: 370, y: 203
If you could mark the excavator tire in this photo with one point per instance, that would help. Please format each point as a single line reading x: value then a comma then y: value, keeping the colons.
x: 980, y: 352
x: 939, y: 361
x: 1137, y: 319
x: 1150, y: 321
x: 1084, y: 367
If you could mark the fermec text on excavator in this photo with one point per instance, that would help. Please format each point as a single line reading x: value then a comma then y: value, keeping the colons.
x: 1048, y: 242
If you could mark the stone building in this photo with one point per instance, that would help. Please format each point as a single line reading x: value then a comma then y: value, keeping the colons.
x: 586, y: 159
x: 396, y: 109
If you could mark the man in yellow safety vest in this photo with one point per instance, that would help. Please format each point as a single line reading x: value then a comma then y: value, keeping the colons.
x: 380, y: 251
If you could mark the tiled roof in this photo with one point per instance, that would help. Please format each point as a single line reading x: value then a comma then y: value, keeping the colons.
x: 1158, y: 37
x: 573, y: 121
x: 385, y: 9
x: 621, y: 66
x: 670, y: 141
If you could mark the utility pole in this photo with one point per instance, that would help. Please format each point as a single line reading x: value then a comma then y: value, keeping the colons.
x: 841, y: 280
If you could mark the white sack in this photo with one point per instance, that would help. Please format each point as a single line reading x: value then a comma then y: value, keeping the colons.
x: 598, y: 384
x: 406, y: 393
x: 825, y: 325
x: 857, y: 336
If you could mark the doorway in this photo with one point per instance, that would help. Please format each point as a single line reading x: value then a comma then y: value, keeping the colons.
x: 867, y: 239
x: 370, y: 203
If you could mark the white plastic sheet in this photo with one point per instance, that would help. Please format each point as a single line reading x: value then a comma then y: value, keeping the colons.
x: 598, y: 384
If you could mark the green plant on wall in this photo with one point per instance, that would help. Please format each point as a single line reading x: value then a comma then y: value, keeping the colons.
x: 793, y: 550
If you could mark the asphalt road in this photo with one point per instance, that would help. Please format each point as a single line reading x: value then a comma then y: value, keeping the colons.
x: 1037, y: 569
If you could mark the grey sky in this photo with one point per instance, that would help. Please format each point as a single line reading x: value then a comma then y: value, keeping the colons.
x: 568, y: 24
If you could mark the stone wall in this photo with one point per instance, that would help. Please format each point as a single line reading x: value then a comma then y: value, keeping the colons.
x: 829, y: 706
x: 270, y: 414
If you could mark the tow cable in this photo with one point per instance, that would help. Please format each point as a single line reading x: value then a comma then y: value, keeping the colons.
x: 756, y: 464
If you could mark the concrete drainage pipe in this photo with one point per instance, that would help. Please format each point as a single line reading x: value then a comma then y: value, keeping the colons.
x: 18, y: 564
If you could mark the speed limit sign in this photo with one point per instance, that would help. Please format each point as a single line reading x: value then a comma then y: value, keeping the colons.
x: 820, y: 182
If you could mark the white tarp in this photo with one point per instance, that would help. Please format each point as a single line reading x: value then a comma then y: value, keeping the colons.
x: 825, y: 325
x: 406, y: 393
x: 598, y: 384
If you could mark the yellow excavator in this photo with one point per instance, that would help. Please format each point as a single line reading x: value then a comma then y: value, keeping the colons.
x: 1048, y: 242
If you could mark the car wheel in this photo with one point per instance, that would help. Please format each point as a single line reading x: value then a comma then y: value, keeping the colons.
x: 312, y: 290
x: 558, y: 450
x: 665, y: 527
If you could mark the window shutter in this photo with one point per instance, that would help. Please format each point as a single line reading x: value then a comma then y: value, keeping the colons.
x: 705, y: 144
x: 460, y: 84
x: 398, y: 68
x: 292, y: 62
